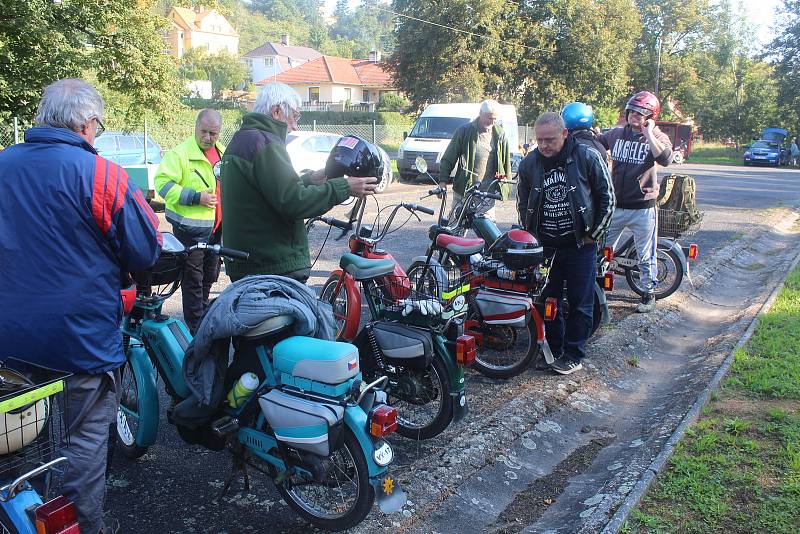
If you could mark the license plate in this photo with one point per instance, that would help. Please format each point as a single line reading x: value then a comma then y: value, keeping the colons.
x: 759, y: 157
x: 383, y: 455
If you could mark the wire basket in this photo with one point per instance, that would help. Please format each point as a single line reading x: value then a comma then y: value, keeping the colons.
x: 673, y: 223
x: 32, y: 417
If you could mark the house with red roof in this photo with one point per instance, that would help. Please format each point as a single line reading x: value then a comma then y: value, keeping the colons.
x: 330, y: 83
x: 271, y: 59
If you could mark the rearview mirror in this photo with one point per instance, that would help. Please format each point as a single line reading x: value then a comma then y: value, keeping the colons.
x: 421, y: 165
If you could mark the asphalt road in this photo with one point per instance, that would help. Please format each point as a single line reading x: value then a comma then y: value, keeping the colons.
x: 176, y: 487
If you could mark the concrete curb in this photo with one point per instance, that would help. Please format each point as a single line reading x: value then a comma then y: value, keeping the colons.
x: 615, y: 523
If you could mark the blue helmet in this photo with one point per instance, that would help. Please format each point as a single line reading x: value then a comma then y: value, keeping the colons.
x: 577, y: 115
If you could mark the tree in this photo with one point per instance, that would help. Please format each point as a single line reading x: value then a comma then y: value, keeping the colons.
x: 393, y: 102
x: 785, y: 49
x: 116, y: 42
x: 222, y: 69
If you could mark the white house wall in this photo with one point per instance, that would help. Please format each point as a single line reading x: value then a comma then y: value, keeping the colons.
x: 259, y: 71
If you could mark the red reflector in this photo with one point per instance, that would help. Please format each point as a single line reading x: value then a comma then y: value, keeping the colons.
x: 608, y: 252
x: 550, y: 308
x: 693, y: 251
x: 57, y: 516
x: 466, y: 351
x: 608, y: 282
x: 382, y: 421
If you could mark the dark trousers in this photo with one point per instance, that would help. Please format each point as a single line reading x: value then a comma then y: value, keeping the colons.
x: 577, y: 267
x: 199, y: 274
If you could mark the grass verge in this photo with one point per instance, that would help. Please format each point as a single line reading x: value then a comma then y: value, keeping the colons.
x: 716, y: 154
x: 737, y: 469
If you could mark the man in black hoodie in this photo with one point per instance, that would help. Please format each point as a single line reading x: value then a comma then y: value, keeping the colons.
x: 566, y: 200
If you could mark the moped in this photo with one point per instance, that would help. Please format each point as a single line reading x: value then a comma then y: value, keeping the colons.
x: 32, y: 433
x: 410, y: 337
x: 312, y: 424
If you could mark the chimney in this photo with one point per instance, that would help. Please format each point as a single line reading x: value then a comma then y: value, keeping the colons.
x: 285, y: 39
x: 375, y: 56
x: 199, y: 9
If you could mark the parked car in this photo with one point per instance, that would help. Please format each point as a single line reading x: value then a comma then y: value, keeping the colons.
x: 780, y: 136
x: 310, y: 150
x: 763, y: 151
x: 127, y: 148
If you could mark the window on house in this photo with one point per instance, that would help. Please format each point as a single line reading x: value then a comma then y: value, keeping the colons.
x: 348, y: 94
x: 365, y: 96
x: 268, y: 62
x: 313, y: 94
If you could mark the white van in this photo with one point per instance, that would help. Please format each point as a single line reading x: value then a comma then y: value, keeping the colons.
x: 435, y: 127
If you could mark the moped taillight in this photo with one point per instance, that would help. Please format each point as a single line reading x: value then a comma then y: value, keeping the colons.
x: 466, y: 350
x: 57, y: 516
x: 382, y: 421
x: 693, y: 251
x: 550, y: 308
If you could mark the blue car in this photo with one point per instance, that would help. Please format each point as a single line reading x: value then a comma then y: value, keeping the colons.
x: 763, y: 151
x: 127, y: 148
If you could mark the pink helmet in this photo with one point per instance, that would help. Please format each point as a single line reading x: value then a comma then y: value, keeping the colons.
x: 644, y: 103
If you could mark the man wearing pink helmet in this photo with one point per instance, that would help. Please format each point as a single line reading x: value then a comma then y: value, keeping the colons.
x: 636, y: 150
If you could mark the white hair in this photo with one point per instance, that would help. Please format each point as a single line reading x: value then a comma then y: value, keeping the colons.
x: 69, y: 103
x: 490, y: 106
x: 277, y: 94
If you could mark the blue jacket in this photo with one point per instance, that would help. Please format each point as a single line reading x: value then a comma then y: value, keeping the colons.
x: 71, y: 228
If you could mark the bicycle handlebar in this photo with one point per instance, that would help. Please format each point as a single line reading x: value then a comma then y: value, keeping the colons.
x: 222, y: 251
x: 411, y: 206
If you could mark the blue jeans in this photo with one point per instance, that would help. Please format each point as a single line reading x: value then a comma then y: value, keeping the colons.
x: 578, y: 268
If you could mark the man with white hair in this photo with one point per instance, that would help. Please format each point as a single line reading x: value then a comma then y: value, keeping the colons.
x: 480, y: 153
x: 71, y: 228
x: 265, y: 199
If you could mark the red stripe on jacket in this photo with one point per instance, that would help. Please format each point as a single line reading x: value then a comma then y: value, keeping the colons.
x: 108, y: 192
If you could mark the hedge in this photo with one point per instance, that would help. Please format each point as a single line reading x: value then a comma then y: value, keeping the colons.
x: 355, y: 117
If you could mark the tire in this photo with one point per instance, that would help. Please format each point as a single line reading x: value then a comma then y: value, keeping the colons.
x: 342, y: 305
x: 439, y: 403
x: 677, y: 158
x: 128, y: 416
x: 597, y: 313
x: 670, y: 274
x: 384, y: 183
x: 506, y: 351
x: 349, y: 466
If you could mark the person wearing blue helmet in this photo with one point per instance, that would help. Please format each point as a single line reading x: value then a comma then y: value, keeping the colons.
x: 579, y: 120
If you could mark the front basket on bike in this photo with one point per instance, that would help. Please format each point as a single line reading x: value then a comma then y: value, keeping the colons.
x: 32, y: 425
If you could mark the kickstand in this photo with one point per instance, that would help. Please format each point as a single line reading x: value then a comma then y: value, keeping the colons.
x: 239, y: 466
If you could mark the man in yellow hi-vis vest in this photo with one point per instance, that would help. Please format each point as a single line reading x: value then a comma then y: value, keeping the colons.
x: 187, y: 179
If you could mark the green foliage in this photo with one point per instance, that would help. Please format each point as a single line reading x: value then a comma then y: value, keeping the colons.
x: 366, y: 27
x: 786, y: 49
x: 393, y: 102
x: 224, y: 70
x: 116, y: 42
x: 354, y: 117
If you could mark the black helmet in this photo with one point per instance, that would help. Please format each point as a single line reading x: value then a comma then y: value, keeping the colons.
x: 353, y: 156
x: 518, y: 249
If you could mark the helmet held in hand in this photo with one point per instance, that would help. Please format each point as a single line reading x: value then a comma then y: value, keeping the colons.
x: 354, y: 156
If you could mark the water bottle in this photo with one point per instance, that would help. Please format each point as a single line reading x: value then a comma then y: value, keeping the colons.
x: 242, y: 389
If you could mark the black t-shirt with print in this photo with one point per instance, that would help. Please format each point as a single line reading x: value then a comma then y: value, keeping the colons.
x: 556, y: 225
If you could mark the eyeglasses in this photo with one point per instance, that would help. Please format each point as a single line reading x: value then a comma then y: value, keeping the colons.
x: 100, y: 127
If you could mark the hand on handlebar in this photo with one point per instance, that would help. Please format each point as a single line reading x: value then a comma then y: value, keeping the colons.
x: 360, y: 186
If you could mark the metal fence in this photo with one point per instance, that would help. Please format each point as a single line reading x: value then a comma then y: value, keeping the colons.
x: 171, y: 134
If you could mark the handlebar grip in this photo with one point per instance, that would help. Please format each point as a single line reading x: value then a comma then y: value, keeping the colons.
x: 435, y: 191
x: 232, y: 253
x: 496, y: 196
x: 423, y: 209
x: 344, y: 225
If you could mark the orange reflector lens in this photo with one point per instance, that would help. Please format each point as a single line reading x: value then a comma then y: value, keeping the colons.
x: 693, y: 251
x: 608, y: 282
x: 466, y: 350
x: 550, y: 308
x: 608, y: 252
x: 383, y: 421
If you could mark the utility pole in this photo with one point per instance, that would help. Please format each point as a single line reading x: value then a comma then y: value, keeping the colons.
x: 658, y: 62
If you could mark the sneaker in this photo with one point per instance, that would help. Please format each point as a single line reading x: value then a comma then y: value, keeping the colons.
x: 647, y: 304
x: 566, y: 365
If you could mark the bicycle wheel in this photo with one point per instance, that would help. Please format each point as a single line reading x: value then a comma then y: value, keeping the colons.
x: 669, y: 277
x: 128, y: 416
x: 422, y: 400
x: 503, y: 351
x: 341, y: 305
x: 343, y: 498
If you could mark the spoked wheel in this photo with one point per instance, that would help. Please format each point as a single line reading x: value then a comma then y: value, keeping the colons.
x: 340, y: 304
x: 342, y: 498
x: 597, y: 313
x: 422, y: 399
x: 670, y: 274
x: 128, y: 415
x: 503, y: 351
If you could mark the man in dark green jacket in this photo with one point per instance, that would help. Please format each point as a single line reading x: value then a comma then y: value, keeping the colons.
x: 265, y: 201
x: 479, y: 151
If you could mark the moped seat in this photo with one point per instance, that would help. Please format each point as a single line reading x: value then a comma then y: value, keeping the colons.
x: 460, y: 246
x: 273, y: 324
x: 363, y: 268
x: 330, y: 362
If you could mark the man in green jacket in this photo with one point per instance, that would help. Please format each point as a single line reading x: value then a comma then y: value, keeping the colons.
x: 187, y: 180
x: 265, y: 199
x: 479, y: 151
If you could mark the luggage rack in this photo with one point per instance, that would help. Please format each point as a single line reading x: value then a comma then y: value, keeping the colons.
x: 32, y: 408
x: 676, y: 224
